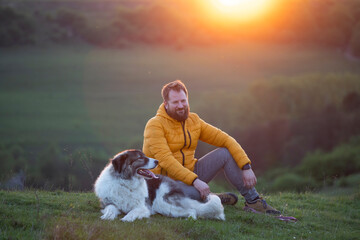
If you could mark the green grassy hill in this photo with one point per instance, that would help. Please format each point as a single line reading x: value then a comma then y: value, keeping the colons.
x: 64, y: 106
x: 84, y: 95
x: 35, y: 214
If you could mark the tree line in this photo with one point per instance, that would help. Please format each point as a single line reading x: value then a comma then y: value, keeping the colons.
x: 335, y: 24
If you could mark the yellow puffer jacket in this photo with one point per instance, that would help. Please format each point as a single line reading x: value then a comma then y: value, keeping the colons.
x: 173, y: 144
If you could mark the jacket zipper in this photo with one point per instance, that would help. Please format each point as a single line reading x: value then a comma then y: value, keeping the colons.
x: 183, y: 155
x: 189, y: 138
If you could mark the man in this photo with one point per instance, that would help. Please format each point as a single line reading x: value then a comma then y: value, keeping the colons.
x: 171, y: 137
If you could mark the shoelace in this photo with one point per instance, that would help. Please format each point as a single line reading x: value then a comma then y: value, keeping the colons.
x: 225, y: 199
x: 264, y: 203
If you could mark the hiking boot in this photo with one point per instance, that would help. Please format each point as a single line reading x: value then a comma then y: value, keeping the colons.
x: 260, y: 206
x: 227, y: 198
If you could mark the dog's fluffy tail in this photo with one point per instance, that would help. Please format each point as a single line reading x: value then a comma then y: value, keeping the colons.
x: 211, y: 209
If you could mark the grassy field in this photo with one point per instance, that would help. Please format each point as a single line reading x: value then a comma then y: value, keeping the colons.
x: 83, y: 95
x: 34, y: 214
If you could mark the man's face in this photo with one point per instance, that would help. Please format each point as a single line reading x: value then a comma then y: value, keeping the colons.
x: 177, y: 105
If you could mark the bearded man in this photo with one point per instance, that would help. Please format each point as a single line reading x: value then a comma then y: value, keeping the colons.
x: 172, y: 136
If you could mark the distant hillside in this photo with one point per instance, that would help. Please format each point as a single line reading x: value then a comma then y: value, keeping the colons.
x: 335, y: 24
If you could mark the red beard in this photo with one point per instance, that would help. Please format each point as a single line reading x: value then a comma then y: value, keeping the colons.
x: 179, y: 116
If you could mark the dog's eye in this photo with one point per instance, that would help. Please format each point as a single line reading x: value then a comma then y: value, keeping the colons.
x: 134, y: 160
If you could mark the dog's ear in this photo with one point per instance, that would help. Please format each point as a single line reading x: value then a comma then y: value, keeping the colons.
x: 127, y: 172
x: 118, y: 162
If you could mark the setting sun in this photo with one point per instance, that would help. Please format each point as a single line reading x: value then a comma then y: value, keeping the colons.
x: 239, y: 10
x: 230, y: 2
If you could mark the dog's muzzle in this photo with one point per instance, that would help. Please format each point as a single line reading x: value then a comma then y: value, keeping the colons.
x: 145, y: 172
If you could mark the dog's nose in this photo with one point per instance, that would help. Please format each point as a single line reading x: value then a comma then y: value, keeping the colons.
x: 156, y: 162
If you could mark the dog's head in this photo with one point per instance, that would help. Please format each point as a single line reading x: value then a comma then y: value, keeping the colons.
x: 132, y: 163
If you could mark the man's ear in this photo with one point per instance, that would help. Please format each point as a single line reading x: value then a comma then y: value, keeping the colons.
x: 165, y: 105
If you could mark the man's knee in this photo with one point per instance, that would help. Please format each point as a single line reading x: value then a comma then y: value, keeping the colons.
x: 225, y: 154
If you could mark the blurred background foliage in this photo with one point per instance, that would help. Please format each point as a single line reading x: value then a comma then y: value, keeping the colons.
x: 60, y: 124
x: 178, y: 23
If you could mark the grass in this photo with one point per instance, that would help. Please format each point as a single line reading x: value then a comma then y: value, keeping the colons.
x: 83, y: 95
x: 34, y: 214
x: 103, y: 97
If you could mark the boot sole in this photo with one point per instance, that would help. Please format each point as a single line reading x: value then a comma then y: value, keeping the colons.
x: 233, y: 196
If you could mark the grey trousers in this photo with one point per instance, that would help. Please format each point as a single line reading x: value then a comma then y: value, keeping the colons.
x: 220, y: 159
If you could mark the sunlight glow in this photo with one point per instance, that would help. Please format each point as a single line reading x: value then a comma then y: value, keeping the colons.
x: 230, y: 3
x: 239, y: 10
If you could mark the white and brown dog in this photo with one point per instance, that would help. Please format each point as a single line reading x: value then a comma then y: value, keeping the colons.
x: 127, y: 186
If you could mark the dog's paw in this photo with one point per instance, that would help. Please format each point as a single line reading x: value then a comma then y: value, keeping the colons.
x: 192, y: 215
x: 221, y: 217
x: 128, y: 218
x: 108, y: 217
x: 192, y: 218
x: 137, y: 213
x: 109, y: 213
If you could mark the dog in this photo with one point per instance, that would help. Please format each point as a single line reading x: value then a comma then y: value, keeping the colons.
x: 126, y: 185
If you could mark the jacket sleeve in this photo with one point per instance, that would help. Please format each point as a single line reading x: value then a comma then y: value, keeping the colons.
x: 158, y: 146
x: 218, y: 138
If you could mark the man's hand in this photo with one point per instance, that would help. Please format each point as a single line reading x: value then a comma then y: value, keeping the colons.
x: 202, y: 187
x: 249, y: 178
